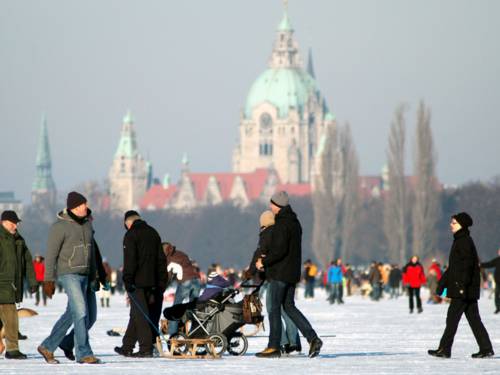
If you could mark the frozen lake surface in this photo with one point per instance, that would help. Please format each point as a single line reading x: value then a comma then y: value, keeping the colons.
x: 370, y: 338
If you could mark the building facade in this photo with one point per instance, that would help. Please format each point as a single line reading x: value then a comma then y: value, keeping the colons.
x: 128, y: 176
x: 284, y: 115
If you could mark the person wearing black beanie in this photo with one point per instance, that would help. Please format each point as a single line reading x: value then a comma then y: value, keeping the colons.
x: 462, y: 280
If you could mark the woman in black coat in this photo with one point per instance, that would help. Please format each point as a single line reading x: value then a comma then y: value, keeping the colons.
x: 462, y: 280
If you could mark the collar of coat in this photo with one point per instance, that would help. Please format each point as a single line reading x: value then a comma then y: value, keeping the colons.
x: 461, y: 233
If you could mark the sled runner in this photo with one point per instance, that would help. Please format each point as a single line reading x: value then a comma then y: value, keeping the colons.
x: 184, y: 348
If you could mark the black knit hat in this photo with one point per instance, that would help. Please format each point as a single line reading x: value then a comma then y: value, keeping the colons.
x: 11, y: 216
x: 74, y: 200
x: 130, y: 214
x: 464, y: 219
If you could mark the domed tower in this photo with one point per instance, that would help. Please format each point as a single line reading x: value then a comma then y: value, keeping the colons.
x: 128, y: 176
x: 284, y: 115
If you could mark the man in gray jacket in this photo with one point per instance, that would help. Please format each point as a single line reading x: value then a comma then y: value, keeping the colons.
x: 70, y: 259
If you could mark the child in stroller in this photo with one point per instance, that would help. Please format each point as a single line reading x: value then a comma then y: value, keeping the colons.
x: 215, y: 315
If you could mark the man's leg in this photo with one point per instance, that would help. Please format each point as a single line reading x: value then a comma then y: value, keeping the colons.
x: 10, y: 320
x: 155, y: 314
x: 295, y: 315
x: 64, y: 322
x: 139, y: 307
x: 276, y: 290
x: 477, y: 326
x: 455, y: 311
x: 77, y: 299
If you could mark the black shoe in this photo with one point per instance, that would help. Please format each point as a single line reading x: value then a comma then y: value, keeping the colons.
x: 68, y: 353
x: 411, y: 311
x: 441, y: 353
x: 20, y: 336
x: 124, y: 352
x: 420, y: 310
x: 142, y: 354
x: 15, y: 354
x: 288, y: 349
x: 269, y: 353
x: 480, y: 354
x: 315, y: 347
x: 497, y: 311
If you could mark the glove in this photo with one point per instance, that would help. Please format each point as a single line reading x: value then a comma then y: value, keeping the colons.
x: 33, y: 289
x: 106, y: 286
x: 130, y: 288
x: 49, y: 287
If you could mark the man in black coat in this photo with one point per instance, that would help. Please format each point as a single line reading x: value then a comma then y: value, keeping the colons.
x: 495, y: 263
x: 282, y: 265
x: 462, y: 280
x: 145, y: 279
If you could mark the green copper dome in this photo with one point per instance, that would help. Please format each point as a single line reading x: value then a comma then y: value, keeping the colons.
x: 284, y: 88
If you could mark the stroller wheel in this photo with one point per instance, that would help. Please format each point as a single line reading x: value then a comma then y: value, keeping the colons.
x: 181, y: 349
x: 220, y: 343
x: 237, y: 345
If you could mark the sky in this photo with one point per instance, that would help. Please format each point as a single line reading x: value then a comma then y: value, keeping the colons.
x: 184, y: 69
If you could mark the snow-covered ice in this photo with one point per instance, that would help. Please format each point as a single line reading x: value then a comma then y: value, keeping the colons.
x: 371, y: 338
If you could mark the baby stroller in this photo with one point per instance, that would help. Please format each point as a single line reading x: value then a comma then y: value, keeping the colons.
x: 219, y: 319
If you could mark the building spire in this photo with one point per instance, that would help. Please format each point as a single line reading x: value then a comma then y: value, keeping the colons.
x: 310, y: 64
x: 127, y: 147
x: 44, y: 183
x: 285, y: 51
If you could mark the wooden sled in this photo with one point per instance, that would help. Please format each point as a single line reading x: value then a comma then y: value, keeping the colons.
x: 188, y: 349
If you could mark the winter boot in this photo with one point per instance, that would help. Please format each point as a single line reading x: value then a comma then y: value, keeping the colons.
x: 420, y: 310
x: 15, y: 354
x: 122, y: 351
x: 90, y: 359
x: 68, y: 353
x: 441, y: 353
x: 269, y: 353
x: 315, y: 347
x: 47, y: 355
x: 483, y: 354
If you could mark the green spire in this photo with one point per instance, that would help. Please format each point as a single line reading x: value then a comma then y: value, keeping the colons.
x: 127, y: 147
x: 285, y: 24
x: 43, y: 176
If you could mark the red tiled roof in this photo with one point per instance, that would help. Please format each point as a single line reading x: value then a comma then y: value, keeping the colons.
x: 157, y: 196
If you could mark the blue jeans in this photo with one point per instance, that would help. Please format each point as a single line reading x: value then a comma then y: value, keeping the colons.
x: 309, y: 290
x: 68, y: 343
x: 188, y: 289
x: 336, y: 293
x: 283, y: 294
x: 76, y: 314
x: 289, y: 332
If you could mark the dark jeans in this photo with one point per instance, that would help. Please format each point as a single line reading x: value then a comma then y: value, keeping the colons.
x: 455, y: 311
x: 37, y: 294
x: 289, y: 332
x: 414, y: 292
x: 143, y: 301
x: 283, y: 294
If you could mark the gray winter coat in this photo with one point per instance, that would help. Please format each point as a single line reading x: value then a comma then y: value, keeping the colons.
x: 70, y: 249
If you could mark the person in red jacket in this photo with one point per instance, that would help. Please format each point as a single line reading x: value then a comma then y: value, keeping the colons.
x: 39, y: 266
x: 433, y: 277
x: 414, y: 277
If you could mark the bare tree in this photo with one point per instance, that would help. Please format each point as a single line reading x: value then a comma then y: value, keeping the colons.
x: 323, y: 203
x: 426, y: 201
x: 335, y: 195
x: 350, y: 202
x: 395, y: 201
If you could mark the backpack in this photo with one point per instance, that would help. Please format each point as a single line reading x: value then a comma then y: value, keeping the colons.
x: 313, y: 271
x: 252, y: 309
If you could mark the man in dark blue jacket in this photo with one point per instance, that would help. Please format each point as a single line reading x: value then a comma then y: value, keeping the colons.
x: 282, y: 265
